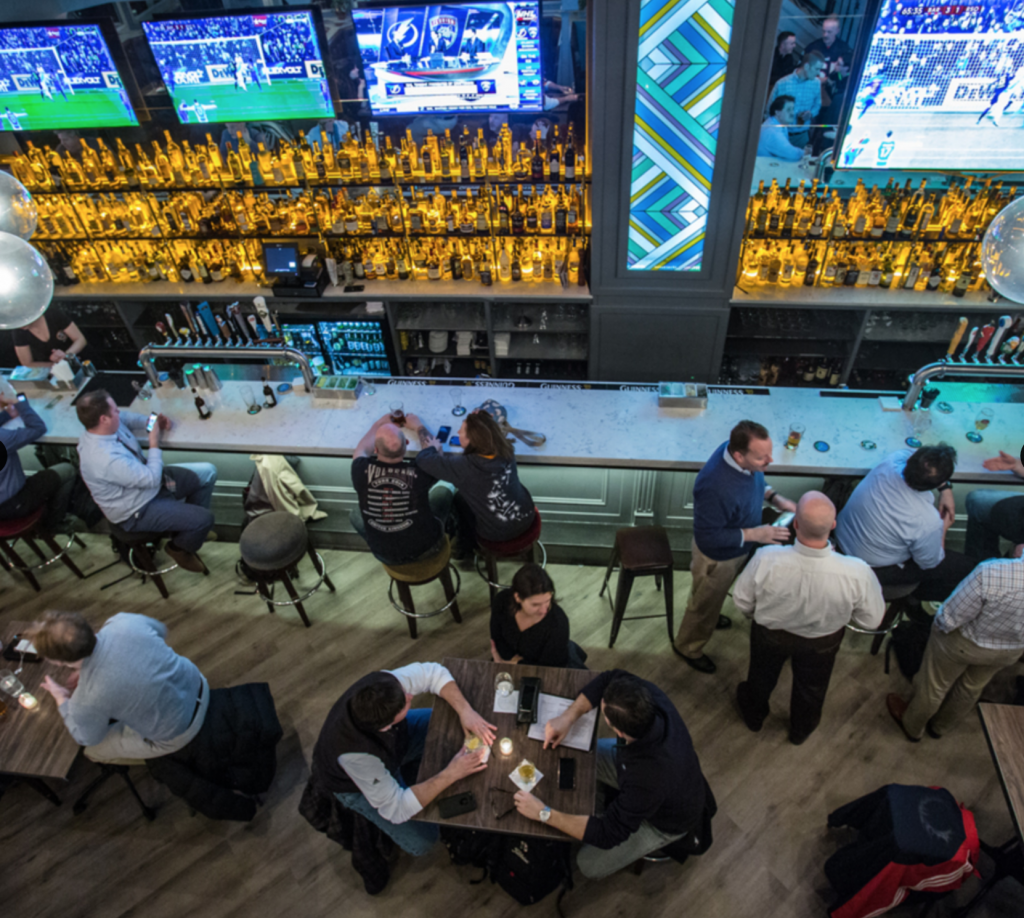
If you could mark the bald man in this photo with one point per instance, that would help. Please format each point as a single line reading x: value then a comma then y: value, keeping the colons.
x: 801, y: 597
x: 402, y: 509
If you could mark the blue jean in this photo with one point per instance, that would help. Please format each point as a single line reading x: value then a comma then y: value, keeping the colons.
x: 440, y: 498
x: 415, y: 838
x: 983, y: 533
x: 182, y: 507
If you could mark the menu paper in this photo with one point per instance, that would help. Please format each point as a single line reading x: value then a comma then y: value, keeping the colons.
x: 582, y: 731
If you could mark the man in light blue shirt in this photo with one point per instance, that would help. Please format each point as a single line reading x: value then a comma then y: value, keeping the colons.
x: 804, y: 85
x: 142, y: 494
x: 774, y: 140
x: 127, y: 674
x: 891, y: 522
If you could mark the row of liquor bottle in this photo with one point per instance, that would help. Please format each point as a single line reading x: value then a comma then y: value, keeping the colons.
x: 819, y: 372
x: 371, y: 161
x: 507, y: 210
x: 486, y: 261
x: 940, y: 267
x: 879, y: 214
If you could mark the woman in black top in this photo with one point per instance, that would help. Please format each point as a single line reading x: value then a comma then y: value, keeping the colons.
x: 48, y: 340
x: 528, y: 626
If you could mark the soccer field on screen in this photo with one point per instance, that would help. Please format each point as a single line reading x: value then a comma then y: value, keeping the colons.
x: 281, y: 100
x: 86, y: 108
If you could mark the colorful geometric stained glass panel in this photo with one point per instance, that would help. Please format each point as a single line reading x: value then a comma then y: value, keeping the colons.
x: 683, y: 50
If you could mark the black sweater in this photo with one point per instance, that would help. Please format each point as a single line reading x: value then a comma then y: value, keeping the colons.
x: 543, y: 644
x: 659, y: 776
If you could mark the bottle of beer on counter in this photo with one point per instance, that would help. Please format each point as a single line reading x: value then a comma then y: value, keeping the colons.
x: 204, y: 412
x: 269, y: 399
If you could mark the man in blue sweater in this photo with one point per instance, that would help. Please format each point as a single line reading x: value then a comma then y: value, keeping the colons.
x: 727, y: 500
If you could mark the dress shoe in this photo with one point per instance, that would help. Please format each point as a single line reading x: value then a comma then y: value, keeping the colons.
x: 743, y: 703
x: 897, y: 707
x: 186, y: 560
x: 703, y: 663
x: 798, y: 740
x: 724, y: 623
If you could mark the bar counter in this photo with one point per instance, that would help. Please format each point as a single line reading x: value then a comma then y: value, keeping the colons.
x: 597, y: 425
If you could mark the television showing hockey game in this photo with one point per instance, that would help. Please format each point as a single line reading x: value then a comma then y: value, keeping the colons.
x: 60, y: 76
x: 452, y: 57
x: 941, y: 87
x: 245, y: 67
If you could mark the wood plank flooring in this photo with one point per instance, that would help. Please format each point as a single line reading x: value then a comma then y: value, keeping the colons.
x: 770, y: 833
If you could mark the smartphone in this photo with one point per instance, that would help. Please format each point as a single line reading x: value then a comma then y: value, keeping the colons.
x: 22, y: 397
x: 566, y: 774
x: 455, y: 441
x: 456, y: 805
x: 151, y: 423
x: 529, y: 698
x: 442, y: 434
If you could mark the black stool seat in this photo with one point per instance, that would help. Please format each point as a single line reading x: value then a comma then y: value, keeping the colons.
x: 273, y: 541
x: 640, y: 551
x: 140, y: 557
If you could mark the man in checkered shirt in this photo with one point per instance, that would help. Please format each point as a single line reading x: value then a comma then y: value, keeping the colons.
x: 804, y: 85
x: 979, y: 630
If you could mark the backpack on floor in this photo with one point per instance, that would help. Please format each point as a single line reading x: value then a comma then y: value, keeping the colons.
x: 469, y: 848
x: 529, y: 869
x: 908, y: 640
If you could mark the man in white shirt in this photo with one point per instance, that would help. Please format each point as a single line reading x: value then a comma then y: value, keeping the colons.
x: 371, y: 739
x: 774, y: 139
x: 979, y: 630
x: 801, y: 597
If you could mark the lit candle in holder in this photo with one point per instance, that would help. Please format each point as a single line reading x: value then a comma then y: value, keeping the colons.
x: 28, y: 702
x: 505, y: 746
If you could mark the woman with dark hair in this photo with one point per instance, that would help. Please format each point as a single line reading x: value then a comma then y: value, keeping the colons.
x: 528, y: 626
x: 783, y: 61
x: 491, y: 502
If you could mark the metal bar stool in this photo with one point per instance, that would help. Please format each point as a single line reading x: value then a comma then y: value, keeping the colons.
x: 522, y: 547
x: 27, y: 529
x: 419, y: 573
x: 141, y: 547
x: 641, y: 551
x: 894, y: 596
x: 271, y: 547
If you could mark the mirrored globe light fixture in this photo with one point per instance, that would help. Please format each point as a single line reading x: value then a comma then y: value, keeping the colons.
x: 1002, y: 252
x: 26, y: 282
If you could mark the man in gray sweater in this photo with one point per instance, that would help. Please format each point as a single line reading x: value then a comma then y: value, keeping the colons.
x: 127, y: 674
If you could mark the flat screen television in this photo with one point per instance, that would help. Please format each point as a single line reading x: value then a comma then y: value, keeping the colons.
x: 939, y: 86
x: 60, y: 75
x: 246, y: 66
x: 452, y: 57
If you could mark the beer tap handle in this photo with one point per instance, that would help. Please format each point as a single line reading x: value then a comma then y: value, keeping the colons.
x: 223, y: 326
x: 160, y: 327
x: 993, y: 347
x: 971, y: 338
x: 190, y: 319
x: 258, y: 330
x: 954, y: 342
x: 983, y: 338
x: 1009, y: 346
x: 261, y: 310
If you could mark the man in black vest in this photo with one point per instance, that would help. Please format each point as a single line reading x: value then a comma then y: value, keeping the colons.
x: 371, y: 737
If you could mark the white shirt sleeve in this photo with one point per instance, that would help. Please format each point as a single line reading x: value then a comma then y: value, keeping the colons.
x: 744, y: 588
x: 870, y: 608
x: 395, y: 803
x: 419, y: 678
x: 926, y: 550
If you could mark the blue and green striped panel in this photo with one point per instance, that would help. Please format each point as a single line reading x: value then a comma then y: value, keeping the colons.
x: 683, y: 49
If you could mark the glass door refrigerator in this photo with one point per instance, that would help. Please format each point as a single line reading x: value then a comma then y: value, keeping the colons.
x: 344, y: 347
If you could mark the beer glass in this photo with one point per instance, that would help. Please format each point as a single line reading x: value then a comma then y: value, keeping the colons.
x: 397, y: 414
x: 796, y: 432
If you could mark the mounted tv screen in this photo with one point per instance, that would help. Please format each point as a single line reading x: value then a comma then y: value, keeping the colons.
x: 941, y: 87
x: 245, y: 67
x: 60, y: 76
x: 452, y: 57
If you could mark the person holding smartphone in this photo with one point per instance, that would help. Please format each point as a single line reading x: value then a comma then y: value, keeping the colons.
x: 22, y: 495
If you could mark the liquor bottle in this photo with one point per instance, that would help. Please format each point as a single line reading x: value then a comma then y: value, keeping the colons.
x: 537, y: 162
x: 573, y: 212
x: 812, y: 269
x: 464, y: 147
x: 185, y: 270
x: 573, y: 264
x: 468, y: 269
x: 483, y: 221
x: 269, y: 399
x: 518, y: 220
x: 935, y: 275
x: 537, y: 275
x: 554, y: 158
x: 570, y: 157
x: 886, y: 278
x: 913, y: 269
x: 433, y: 265
x: 515, y: 268
x: 532, y: 217
x: 446, y: 155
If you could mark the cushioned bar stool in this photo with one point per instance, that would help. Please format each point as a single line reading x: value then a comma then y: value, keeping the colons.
x: 522, y: 547
x: 640, y: 551
x: 419, y: 573
x: 141, y: 547
x: 27, y: 529
x: 895, y: 597
x: 271, y: 547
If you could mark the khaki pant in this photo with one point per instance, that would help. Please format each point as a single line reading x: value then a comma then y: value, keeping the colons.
x: 952, y: 677
x: 710, y: 586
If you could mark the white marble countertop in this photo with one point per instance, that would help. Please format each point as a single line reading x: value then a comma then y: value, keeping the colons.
x: 585, y: 427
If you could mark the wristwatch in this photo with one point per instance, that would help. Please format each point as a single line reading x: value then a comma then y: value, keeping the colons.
x: 545, y: 814
x: 945, y: 486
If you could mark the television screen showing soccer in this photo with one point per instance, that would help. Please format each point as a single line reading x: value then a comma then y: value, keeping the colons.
x: 60, y: 76
x: 942, y: 88
x: 252, y: 67
x: 452, y: 57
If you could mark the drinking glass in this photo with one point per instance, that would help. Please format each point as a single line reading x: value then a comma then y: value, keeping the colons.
x: 249, y: 397
x: 527, y: 771
x: 10, y: 683
x: 503, y: 684
x: 397, y: 414
x: 981, y: 421
x: 458, y: 409
x: 368, y: 387
x: 796, y: 432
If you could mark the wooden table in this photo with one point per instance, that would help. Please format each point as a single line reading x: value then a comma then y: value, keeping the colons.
x: 1004, y: 729
x: 35, y: 744
x: 475, y: 678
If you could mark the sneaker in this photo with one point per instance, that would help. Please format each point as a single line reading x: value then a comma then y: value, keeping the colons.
x: 186, y: 560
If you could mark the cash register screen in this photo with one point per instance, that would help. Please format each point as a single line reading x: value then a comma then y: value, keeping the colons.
x: 282, y: 260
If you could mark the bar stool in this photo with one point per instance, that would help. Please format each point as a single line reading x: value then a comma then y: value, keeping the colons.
x: 271, y: 547
x: 27, y: 529
x: 641, y: 551
x: 894, y: 596
x: 419, y: 573
x: 522, y: 547
x: 141, y: 548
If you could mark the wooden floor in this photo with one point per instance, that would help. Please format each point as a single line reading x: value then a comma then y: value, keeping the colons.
x: 770, y: 834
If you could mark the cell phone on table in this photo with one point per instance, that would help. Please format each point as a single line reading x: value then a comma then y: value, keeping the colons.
x: 442, y: 434
x: 566, y: 774
x: 151, y: 423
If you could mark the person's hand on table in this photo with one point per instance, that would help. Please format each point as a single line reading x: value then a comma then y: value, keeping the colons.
x: 528, y: 805
x: 1004, y: 462
x: 59, y: 692
x: 767, y: 535
x: 556, y: 729
x: 475, y: 724
x: 465, y: 763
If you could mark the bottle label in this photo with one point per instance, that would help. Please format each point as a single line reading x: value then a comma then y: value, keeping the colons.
x: 186, y: 274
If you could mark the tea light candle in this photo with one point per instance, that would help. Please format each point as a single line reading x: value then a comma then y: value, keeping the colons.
x: 505, y: 746
x: 28, y: 702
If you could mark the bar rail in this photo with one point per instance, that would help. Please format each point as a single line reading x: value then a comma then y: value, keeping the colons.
x: 223, y: 352
x: 955, y: 368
